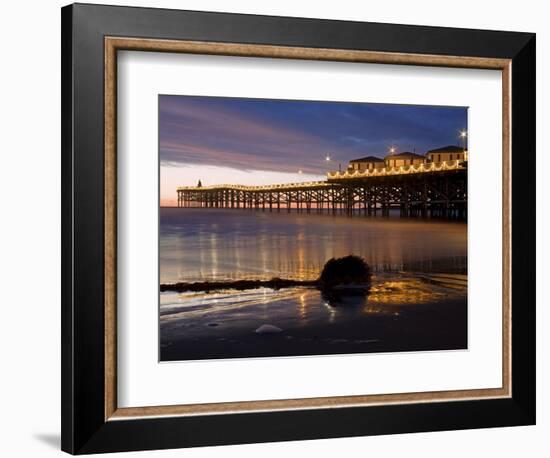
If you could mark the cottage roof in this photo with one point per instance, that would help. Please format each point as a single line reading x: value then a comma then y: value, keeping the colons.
x: 404, y: 155
x: 368, y: 159
x: 447, y: 149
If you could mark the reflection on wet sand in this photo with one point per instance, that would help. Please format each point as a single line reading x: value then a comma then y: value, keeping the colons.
x: 409, y: 289
x: 418, y: 289
x: 199, y: 325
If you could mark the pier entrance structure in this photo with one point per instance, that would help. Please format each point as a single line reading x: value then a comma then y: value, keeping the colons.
x: 425, y: 190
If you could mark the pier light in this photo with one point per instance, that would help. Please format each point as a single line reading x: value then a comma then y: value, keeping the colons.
x: 300, y: 172
x: 327, y: 158
x: 463, y: 135
x: 392, y: 149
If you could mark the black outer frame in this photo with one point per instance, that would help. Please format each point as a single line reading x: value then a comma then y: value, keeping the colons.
x: 84, y: 429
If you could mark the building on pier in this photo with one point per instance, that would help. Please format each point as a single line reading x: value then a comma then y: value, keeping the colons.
x: 366, y: 163
x: 402, y: 159
x: 447, y: 154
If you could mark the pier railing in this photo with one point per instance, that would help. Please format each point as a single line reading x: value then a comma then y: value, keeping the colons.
x: 268, y: 187
x: 402, y: 170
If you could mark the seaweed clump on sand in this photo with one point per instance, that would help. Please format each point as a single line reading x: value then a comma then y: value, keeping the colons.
x: 347, y: 271
x: 345, y: 281
x: 349, y: 275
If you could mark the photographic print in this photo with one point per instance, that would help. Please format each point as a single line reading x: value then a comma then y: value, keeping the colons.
x: 298, y: 228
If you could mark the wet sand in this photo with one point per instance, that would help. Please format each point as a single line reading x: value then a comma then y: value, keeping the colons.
x: 403, y: 312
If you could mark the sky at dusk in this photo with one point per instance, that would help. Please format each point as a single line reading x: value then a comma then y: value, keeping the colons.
x: 255, y: 141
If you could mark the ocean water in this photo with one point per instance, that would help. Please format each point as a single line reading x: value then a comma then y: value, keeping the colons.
x: 417, y: 300
x: 210, y: 244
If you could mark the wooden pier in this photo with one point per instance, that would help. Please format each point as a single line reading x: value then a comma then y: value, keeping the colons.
x: 439, y: 192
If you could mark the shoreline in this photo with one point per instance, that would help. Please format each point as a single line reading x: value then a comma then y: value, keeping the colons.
x: 239, y: 285
x: 282, y: 283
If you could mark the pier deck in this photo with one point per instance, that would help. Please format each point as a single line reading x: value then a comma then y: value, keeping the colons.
x: 438, y: 190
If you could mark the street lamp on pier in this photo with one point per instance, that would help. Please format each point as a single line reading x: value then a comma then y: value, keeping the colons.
x: 328, y: 159
x: 464, y: 136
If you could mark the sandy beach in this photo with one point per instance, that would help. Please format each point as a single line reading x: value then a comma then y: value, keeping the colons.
x: 402, y: 312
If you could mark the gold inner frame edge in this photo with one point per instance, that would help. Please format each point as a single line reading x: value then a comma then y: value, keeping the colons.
x: 114, y: 44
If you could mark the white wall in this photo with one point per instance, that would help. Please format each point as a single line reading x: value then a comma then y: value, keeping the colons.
x: 30, y: 226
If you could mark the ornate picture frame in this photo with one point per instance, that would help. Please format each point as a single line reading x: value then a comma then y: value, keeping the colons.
x: 92, y: 421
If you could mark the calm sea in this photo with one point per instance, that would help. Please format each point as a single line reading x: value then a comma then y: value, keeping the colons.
x: 210, y: 244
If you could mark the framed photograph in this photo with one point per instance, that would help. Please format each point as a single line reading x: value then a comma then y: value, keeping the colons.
x: 281, y: 228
